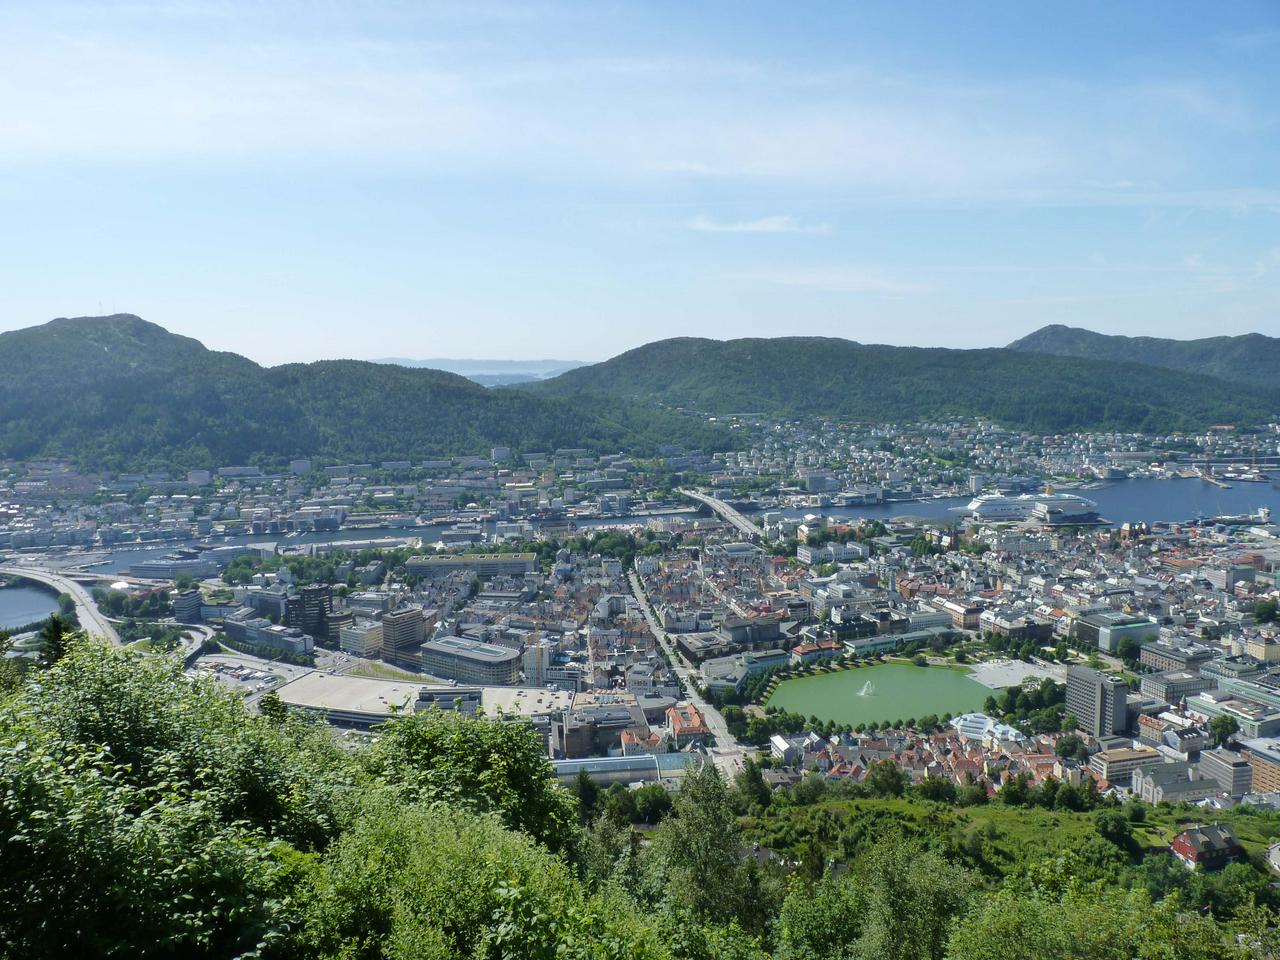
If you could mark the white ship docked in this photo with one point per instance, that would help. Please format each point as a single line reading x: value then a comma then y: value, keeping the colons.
x: 1047, y: 507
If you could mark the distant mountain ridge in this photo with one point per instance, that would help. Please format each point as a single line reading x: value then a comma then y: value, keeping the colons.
x: 120, y: 391
x: 821, y: 376
x: 1250, y: 358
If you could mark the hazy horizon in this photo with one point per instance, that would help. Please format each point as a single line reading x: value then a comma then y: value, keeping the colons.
x: 548, y: 366
x: 514, y: 180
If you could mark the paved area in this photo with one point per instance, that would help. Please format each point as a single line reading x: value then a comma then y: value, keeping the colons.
x: 248, y: 675
x: 240, y: 677
x: 998, y: 674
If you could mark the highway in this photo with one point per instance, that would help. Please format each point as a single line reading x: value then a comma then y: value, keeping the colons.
x: 727, y: 513
x: 92, y: 620
x: 194, y: 636
x: 729, y: 753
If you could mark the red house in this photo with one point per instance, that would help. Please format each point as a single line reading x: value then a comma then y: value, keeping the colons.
x: 1207, y: 848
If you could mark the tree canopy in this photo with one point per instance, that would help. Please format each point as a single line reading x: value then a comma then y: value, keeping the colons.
x: 146, y: 813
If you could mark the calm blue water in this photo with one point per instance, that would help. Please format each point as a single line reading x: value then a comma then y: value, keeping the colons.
x: 22, y: 605
x: 1142, y: 500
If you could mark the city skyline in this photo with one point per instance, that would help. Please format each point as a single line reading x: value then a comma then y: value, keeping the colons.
x: 571, y: 181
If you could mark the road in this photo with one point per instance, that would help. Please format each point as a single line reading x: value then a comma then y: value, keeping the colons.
x: 91, y: 619
x: 722, y: 509
x: 729, y: 753
x: 194, y: 636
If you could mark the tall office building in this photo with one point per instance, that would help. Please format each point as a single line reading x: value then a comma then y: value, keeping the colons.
x: 309, y: 609
x: 1097, y: 701
x: 403, y: 633
x: 186, y: 606
x: 361, y: 639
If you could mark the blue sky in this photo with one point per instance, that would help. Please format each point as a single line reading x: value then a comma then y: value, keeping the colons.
x: 299, y: 181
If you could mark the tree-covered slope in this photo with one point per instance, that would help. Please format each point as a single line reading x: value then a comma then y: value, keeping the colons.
x: 119, y: 391
x: 814, y: 376
x: 1248, y: 359
x: 145, y: 813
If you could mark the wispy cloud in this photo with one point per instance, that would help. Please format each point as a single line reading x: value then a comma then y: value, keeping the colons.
x: 1197, y: 101
x: 414, y: 87
x: 1232, y: 277
x: 1250, y: 40
x: 1268, y: 263
x: 852, y: 279
x: 778, y: 224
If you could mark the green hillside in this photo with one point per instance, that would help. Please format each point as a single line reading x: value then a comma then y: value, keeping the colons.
x: 814, y: 376
x: 119, y: 391
x: 116, y: 392
x: 145, y: 813
x: 1251, y: 359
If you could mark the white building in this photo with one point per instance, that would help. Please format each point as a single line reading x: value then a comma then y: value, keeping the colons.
x: 978, y: 726
x: 361, y: 639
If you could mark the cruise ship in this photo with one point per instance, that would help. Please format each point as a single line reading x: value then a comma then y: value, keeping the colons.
x: 1048, y: 506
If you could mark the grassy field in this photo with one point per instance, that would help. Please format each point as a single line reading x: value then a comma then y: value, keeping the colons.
x: 1012, y: 834
x: 1256, y: 830
x: 1009, y: 835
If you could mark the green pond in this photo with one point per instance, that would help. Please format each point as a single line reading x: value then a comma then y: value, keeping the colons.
x: 884, y: 692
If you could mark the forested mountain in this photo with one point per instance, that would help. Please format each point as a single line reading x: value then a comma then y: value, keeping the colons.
x: 804, y: 376
x: 119, y: 391
x: 114, y: 392
x: 1247, y: 359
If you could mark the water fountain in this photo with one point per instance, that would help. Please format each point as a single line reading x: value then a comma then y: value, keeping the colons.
x: 868, y: 690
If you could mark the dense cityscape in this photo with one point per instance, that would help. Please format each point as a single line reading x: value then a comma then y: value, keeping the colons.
x: 645, y: 613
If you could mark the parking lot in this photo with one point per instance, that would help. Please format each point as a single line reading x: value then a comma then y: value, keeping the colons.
x: 248, y: 675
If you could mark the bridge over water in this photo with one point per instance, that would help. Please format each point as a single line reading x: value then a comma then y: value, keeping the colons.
x: 727, y: 513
